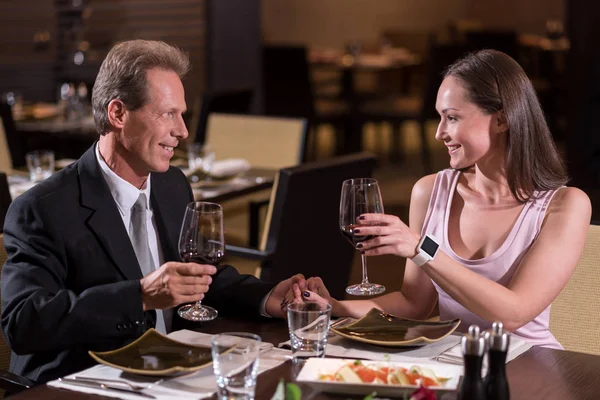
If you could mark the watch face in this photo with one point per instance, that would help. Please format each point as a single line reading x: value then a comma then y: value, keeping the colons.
x: 429, y: 246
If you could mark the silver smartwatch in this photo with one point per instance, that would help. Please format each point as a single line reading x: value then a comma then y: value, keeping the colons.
x: 426, y: 250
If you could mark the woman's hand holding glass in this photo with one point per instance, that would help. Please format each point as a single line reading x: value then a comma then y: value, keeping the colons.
x: 389, y: 235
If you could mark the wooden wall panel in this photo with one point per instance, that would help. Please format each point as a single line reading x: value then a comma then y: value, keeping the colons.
x: 27, y: 51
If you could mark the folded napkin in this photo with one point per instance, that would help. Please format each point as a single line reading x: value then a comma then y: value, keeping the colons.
x: 447, y: 350
x: 338, y: 346
x: 228, y: 167
x: 197, y: 385
x: 516, y: 347
x: 17, y: 185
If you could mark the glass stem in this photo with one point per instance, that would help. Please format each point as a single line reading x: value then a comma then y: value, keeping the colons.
x: 365, y: 279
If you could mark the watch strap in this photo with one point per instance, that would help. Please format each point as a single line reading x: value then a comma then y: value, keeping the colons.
x: 421, y: 258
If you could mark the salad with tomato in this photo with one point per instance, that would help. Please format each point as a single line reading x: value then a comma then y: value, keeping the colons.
x: 357, y: 372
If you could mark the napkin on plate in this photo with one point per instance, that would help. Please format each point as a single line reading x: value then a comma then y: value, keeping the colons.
x: 228, y: 167
x: 197, y: 385
x: 516, y: 347
x: 338, y: 346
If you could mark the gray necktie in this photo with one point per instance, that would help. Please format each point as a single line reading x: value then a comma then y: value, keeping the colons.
x: 138, y: 232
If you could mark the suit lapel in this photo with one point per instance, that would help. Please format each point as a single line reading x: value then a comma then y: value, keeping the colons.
x: 105, y: 221
x: 167, y: 223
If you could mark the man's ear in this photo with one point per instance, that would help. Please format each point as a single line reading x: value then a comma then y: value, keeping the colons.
x: 116, y: 113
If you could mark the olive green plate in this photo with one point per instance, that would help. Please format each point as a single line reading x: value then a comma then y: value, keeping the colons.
x: 157, y: 355
x: 383, y: 329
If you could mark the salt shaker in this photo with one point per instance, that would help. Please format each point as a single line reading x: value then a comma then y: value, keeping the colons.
x: 496, y: 383
x: 473, y: 346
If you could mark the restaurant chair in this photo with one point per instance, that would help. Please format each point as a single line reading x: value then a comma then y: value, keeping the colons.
x: 574, y: 316
x: 226, y: 102
x: 302, y: 233
x: 288, y: 92
x: 15, y: 143
x: 421, y: 108
x: 9, y: 382
x: 5, y: 198
x: 5, y: 157
x: 265, y: 142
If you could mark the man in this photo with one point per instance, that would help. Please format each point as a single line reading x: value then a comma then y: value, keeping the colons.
x: 76, y: 278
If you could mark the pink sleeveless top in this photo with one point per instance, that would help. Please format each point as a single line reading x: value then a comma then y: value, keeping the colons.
x: 499, y: 266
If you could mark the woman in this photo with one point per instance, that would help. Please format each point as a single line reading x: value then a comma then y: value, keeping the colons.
x: 509, y: 232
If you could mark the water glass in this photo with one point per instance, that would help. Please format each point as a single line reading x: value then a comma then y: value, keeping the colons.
x: 235, y: 363
x: 309, y: 325
x: 40, y: 164
x: 200, y: 157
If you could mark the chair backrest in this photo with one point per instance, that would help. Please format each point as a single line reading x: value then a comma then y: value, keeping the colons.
x: 266, y: 142
x: 4, y: 349
x: 230, y: 102
x: 5, y: 157
x: 303, y: 233
x: 574, y: 316
x: 287, y: 88
x: 5, y: 198
x: 13, y: 141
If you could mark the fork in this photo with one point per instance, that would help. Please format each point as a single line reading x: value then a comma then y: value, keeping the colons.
x: 117, y: 381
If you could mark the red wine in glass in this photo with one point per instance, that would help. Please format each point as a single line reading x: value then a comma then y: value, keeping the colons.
x: 201, y: 241
x: 348, y: 233
x: 359, y: 196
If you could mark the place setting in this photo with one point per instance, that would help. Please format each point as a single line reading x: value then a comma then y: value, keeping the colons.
x: 363, y: 368
x: 210, y: 177
x: 182, y: 365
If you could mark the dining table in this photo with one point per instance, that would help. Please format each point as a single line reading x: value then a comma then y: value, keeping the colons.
x: 397, y: 61
x: 539, y: 373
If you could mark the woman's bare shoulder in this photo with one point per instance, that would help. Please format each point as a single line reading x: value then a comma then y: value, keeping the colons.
x: 423, y: 187
x: 569, y: 205
x: 570, y: 199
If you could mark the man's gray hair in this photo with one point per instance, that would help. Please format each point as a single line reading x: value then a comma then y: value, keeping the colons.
x: 123, y: 75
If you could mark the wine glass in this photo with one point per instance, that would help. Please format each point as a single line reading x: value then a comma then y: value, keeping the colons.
x: 359, y: 196
x: 201, y: 241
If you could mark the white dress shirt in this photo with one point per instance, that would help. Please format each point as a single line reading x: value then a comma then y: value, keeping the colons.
x: 125, y: 195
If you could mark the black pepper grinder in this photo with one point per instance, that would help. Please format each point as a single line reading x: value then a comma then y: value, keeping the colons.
x: 473, y: 346
x: 496, y: 383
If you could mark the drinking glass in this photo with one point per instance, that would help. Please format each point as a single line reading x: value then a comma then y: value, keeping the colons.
x: 308, y: 324
x: 202, y: 241
x: 360, y: 196
x: 40, y: 164
x: 235, y: 364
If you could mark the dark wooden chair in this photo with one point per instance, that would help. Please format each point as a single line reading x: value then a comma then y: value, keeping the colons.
x: 302, y: 233
x: 229, y: 102
x: 288, y: 92
x: 5, y: 198
x: 9, y: 382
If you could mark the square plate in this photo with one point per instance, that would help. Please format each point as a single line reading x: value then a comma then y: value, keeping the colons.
x: 157, y: 355
x: 383, y: 329
x: 315, y: 367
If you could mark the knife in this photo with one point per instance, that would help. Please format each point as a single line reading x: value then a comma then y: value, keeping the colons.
x: 104, y: 386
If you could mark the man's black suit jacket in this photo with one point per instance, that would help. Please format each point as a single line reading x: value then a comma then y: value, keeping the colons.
x: 72, y: 280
